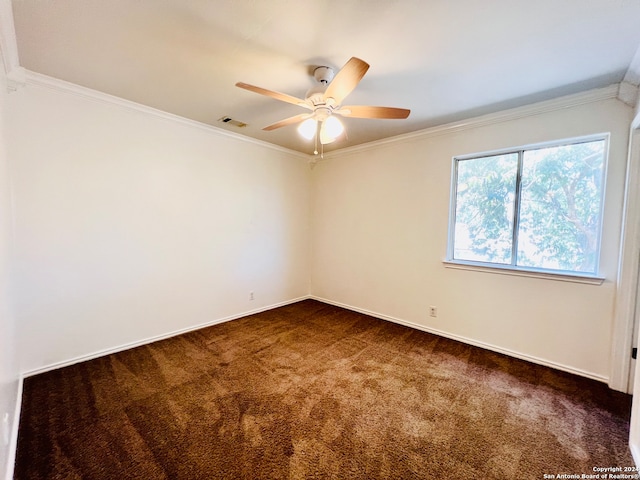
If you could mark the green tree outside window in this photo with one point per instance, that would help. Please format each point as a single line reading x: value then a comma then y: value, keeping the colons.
x: 537, y: 208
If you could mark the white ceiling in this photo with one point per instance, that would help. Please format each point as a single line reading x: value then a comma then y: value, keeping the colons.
x: 446, y: 60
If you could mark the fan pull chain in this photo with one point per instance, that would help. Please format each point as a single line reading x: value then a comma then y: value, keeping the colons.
x: 315, y: 149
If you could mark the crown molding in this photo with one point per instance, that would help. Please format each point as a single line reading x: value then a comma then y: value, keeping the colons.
x: 633, y: 72
x: 560, y: 103
x: 16, y: 79
x: 8, y: 41
x: 61, y: 86
x: 27, y: 77
x: 628, y: 93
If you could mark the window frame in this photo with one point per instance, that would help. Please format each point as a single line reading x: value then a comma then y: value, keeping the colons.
x: 512, y: 268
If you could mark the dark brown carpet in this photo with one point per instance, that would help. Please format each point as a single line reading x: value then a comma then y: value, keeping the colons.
x: 314, y: 391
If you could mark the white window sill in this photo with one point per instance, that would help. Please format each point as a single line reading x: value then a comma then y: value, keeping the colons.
x: 521, y: 272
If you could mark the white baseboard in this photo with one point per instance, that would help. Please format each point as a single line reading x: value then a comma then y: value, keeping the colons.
x: 468, y: 341
x: 635, y: 453
x: 635, y: 450
x: 13, y: 443
x: 13, y: 440
x: 146, y: 341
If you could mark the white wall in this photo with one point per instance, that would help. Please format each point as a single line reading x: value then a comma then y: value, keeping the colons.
x: 380, y: 220
x: 634, y: 156
x: 8, y: 364
x: 130, y: 226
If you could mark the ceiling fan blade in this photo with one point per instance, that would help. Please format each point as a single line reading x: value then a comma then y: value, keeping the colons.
x: 287, y: 121
x: 277, y: 95
x: 365, y: 111
x: 346, y: 80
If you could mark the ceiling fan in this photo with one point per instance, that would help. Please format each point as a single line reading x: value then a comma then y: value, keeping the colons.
x: 325, y: 101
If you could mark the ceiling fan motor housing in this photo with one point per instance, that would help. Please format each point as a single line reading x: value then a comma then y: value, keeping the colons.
x: 324, y: 75
x: 315, y: 94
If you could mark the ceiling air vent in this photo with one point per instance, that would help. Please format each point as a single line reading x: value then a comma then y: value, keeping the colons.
x: 231, y: 121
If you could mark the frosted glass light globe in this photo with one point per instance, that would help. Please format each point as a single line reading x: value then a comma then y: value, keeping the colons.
x: 307, y: 128
x: 333, y: 127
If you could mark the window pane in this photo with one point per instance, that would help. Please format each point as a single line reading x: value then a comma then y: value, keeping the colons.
x: 561, y: 191
x: 485, y: 193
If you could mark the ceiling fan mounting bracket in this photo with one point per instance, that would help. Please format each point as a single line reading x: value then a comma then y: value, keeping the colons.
x: 323, y: 75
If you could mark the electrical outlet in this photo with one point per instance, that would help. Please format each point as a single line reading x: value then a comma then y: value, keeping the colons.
x: 250, y: 295
x: 5, y: 429
x: 433, y: 311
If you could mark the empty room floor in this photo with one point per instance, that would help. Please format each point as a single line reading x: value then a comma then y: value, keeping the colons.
x: 310, y: 390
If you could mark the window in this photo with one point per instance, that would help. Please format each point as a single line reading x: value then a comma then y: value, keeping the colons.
x: 537, y: 208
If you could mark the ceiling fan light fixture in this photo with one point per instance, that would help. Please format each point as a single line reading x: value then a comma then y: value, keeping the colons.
x: 325, y: 138
x: 308, y: 128
x: 334, y: 127
x: 331, y: 128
